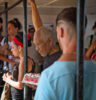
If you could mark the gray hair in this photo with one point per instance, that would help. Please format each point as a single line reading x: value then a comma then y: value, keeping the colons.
x: 45, y: 33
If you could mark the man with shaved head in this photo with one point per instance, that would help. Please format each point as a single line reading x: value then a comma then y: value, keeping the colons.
x: 58, y: 81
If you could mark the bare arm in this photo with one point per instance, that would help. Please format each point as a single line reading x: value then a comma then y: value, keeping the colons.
x: 37, y: 22
x: 18, y: 84
x: 5, y: 50
x: 91, y: 49
x: 3, y: 58
x: 12, y: 83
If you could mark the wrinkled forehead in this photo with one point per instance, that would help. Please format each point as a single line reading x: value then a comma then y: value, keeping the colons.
x: 37, y: 39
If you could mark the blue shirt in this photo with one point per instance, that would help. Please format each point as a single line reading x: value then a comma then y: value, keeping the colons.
x: 58, y: 81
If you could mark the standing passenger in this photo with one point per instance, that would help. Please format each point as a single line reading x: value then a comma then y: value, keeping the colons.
x: 15, y: 80
x: 43, y: 39
x: 32, y: 50
x: 58, y: 81
x: 13, y: 27
x: 1, y: 63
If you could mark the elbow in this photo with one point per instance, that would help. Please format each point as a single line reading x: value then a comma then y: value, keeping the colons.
x: 21, y: 86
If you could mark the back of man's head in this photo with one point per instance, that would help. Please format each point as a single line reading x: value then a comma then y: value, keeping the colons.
x: 69, y: 15
x: 66, y: 20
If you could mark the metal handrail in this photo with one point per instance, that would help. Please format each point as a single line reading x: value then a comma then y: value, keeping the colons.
x: 12, y: 6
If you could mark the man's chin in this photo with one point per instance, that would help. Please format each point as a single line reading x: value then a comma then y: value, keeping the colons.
x: 43, y: 55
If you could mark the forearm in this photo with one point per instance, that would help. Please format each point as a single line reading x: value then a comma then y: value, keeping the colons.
x: 89, y: 51
x: 3, y: 58
x: 37, y: 22
x: 17, y: 85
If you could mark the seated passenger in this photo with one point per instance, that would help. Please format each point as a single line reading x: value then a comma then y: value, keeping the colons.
x: 15, y: 80
x: 58, y: 81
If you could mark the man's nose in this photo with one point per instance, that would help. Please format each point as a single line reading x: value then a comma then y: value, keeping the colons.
x: 37, y: 48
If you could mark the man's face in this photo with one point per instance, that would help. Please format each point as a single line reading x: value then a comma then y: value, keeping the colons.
x: 41, y: 46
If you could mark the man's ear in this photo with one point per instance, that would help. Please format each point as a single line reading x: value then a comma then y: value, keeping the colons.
x: 61, y: 32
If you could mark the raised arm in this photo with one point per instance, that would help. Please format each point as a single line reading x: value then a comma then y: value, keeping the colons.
x: 91, y: 49
x: 37, y: 22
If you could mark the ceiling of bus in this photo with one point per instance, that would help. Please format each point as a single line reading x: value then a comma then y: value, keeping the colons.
x: 50, y: 7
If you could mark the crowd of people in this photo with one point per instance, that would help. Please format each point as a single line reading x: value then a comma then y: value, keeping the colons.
x: 55, y: 61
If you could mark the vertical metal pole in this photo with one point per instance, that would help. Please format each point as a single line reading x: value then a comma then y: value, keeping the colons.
x: 80, y: 48
x: 6, y: 25
x: 25, y: 44
x: 6, y: 19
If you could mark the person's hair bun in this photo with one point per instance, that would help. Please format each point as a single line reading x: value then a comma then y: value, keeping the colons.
x: 18, y: 23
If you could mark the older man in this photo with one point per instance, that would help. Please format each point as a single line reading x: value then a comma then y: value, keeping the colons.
x: 43, y: 39
x: 57, y: 82
x: 45, y: 46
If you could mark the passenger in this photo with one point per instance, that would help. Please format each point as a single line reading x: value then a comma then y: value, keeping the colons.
x: 45, y: 46
x: 13, y: 27
x: 15, y: 80
x: 1, y: 63
x: 91, y: 52
x: 43, y: 39
x: 91, y: 38
x: 92, y: 47
x: 32, y: 50
x: 58, y: 81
